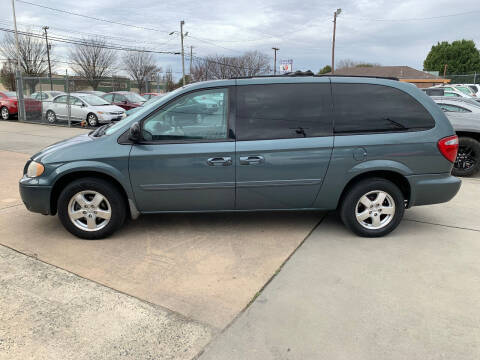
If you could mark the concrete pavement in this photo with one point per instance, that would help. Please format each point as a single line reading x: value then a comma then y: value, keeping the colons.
x: 47, y: 313
x: 412, y: 295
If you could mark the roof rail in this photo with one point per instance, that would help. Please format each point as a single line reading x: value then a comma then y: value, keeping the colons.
x: 310, y: 73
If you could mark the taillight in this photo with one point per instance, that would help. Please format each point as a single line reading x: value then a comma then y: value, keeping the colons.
x: 448, y: 146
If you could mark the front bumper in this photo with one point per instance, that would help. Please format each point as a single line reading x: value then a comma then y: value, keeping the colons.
x: 430, y: 189
x: 35, y: 197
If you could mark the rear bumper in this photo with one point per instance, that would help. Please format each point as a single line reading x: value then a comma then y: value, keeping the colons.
x: 36, y: 197
x: 430, y: 189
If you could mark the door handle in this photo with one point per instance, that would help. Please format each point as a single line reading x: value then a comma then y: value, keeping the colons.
x: 252, y: 160
x: 220, y: 161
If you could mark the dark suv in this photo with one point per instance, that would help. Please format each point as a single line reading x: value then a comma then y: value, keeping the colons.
x: 368, y: 147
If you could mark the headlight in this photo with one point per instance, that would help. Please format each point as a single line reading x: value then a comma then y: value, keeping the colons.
x: 35, y: 169
x: 124, y: 115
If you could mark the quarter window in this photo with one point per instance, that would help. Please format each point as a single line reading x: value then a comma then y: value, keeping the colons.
x: 200, y: 115
x: 283, y: 111
x: 367, y: 108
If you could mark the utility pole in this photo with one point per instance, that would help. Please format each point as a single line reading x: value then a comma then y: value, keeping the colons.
x: 183, y: 53
x: 333, y: 42
x: 191, y: 56
x: 18, y: 75
x: 275, y: 60
x: 45, y: 28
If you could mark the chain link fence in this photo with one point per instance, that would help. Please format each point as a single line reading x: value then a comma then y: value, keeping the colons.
x: 35, y: 97
x: 473, y: 78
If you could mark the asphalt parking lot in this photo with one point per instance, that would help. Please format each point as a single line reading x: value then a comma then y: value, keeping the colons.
x: 235, y: 286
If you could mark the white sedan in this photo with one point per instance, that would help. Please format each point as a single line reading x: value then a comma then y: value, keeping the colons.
x: 83, y: 107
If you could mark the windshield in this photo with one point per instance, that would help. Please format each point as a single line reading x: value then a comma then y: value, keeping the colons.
x: 10, y: 93
x: 464, y: 89
x: 135, y: 98
x: 94, y: 100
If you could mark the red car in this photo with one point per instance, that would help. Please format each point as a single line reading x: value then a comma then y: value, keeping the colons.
x: 150, y: 95
x: 125, y: 99
x: 9, y: 106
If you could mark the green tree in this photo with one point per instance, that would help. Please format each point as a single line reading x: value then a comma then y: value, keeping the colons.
x: 461, y: 56
x: 325, y: 69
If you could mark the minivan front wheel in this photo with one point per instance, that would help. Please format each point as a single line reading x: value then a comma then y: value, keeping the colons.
x: 373, y: 207
x: 90, y: 208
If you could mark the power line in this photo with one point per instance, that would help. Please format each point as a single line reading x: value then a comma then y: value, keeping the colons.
x: 415, y: 19
x: 91, y: 17
x: 86, y: 43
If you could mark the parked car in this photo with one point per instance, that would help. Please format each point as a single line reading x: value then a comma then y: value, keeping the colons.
x: 148, y: 96
x: 271, y: 146
x: 125, y: 99
x: 83, y: 107
x: 465, y: 90
x: 45, y: 96
x: 95, y: 92
x: 9, y: 106
x: 465, y: 119
x: 475, y: 88
x: 151, y: 100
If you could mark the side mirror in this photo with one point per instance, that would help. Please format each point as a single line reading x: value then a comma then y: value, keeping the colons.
x: 124, y: 102
x: 135, y: 133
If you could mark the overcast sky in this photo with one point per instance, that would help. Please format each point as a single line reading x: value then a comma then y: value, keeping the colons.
x: 380, y: 31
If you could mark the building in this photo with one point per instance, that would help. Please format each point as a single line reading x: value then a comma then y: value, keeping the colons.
x: 421, y: 79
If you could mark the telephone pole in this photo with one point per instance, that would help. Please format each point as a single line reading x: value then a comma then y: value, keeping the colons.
x: 45, y: 28
x: 275, y: 60
x: 191, y: 57
x: 183, y: 53
x: 18, y: 75
x: 335, y: 14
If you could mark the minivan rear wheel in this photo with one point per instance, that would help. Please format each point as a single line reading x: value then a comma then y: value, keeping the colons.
x: 373, y: 207
x: 91, y: 208
x: 467, y: 162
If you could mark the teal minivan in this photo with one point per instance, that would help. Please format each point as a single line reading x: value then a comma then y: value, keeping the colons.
x: 368, y: 147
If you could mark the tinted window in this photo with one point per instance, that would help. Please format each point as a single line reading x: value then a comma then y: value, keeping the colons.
x: 200, y: 115
x: 363, y: 108
x: 282, y: 111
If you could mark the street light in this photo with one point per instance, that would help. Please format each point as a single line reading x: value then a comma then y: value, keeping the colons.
x: 335, y: 14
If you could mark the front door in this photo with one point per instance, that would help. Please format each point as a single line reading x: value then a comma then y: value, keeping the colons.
x: 284, y: 143
x: 186, y: 161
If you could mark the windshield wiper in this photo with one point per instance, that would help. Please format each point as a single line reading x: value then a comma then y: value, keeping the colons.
x: 397, y: 124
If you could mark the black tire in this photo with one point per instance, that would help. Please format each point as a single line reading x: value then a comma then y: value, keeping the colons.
x: 115, y: 201
x: 51, y: 117
x: 350, y: 204
x: 467, y: 162
x: 92, y: 120
x: 5, y: 114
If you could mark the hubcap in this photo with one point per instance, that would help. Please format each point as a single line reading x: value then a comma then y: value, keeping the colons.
x: 92, y: 121
x: 89, y: 210
x: 51, y: 117
x: 465, y: 158
x: 5, y: 114
x: 375, y: 210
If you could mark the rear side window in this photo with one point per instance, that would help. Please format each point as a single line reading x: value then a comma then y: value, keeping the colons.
x: 367, y: 108
x: 283, y: 111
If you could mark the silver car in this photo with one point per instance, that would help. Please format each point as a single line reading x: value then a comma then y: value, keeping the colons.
x: 83, y: 107
x: 464, y: 115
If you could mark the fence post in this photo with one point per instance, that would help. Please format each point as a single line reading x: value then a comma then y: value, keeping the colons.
x: 475, y: 77
x: 21, y: 102
x: 69, y: 108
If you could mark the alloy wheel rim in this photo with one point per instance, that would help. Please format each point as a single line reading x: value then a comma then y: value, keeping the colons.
x: 4, y: 113
x: 375, y: 210
x: 51, y: 117
x: 92, y: 121
x: 89, y: 210
x: 465, y: 159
